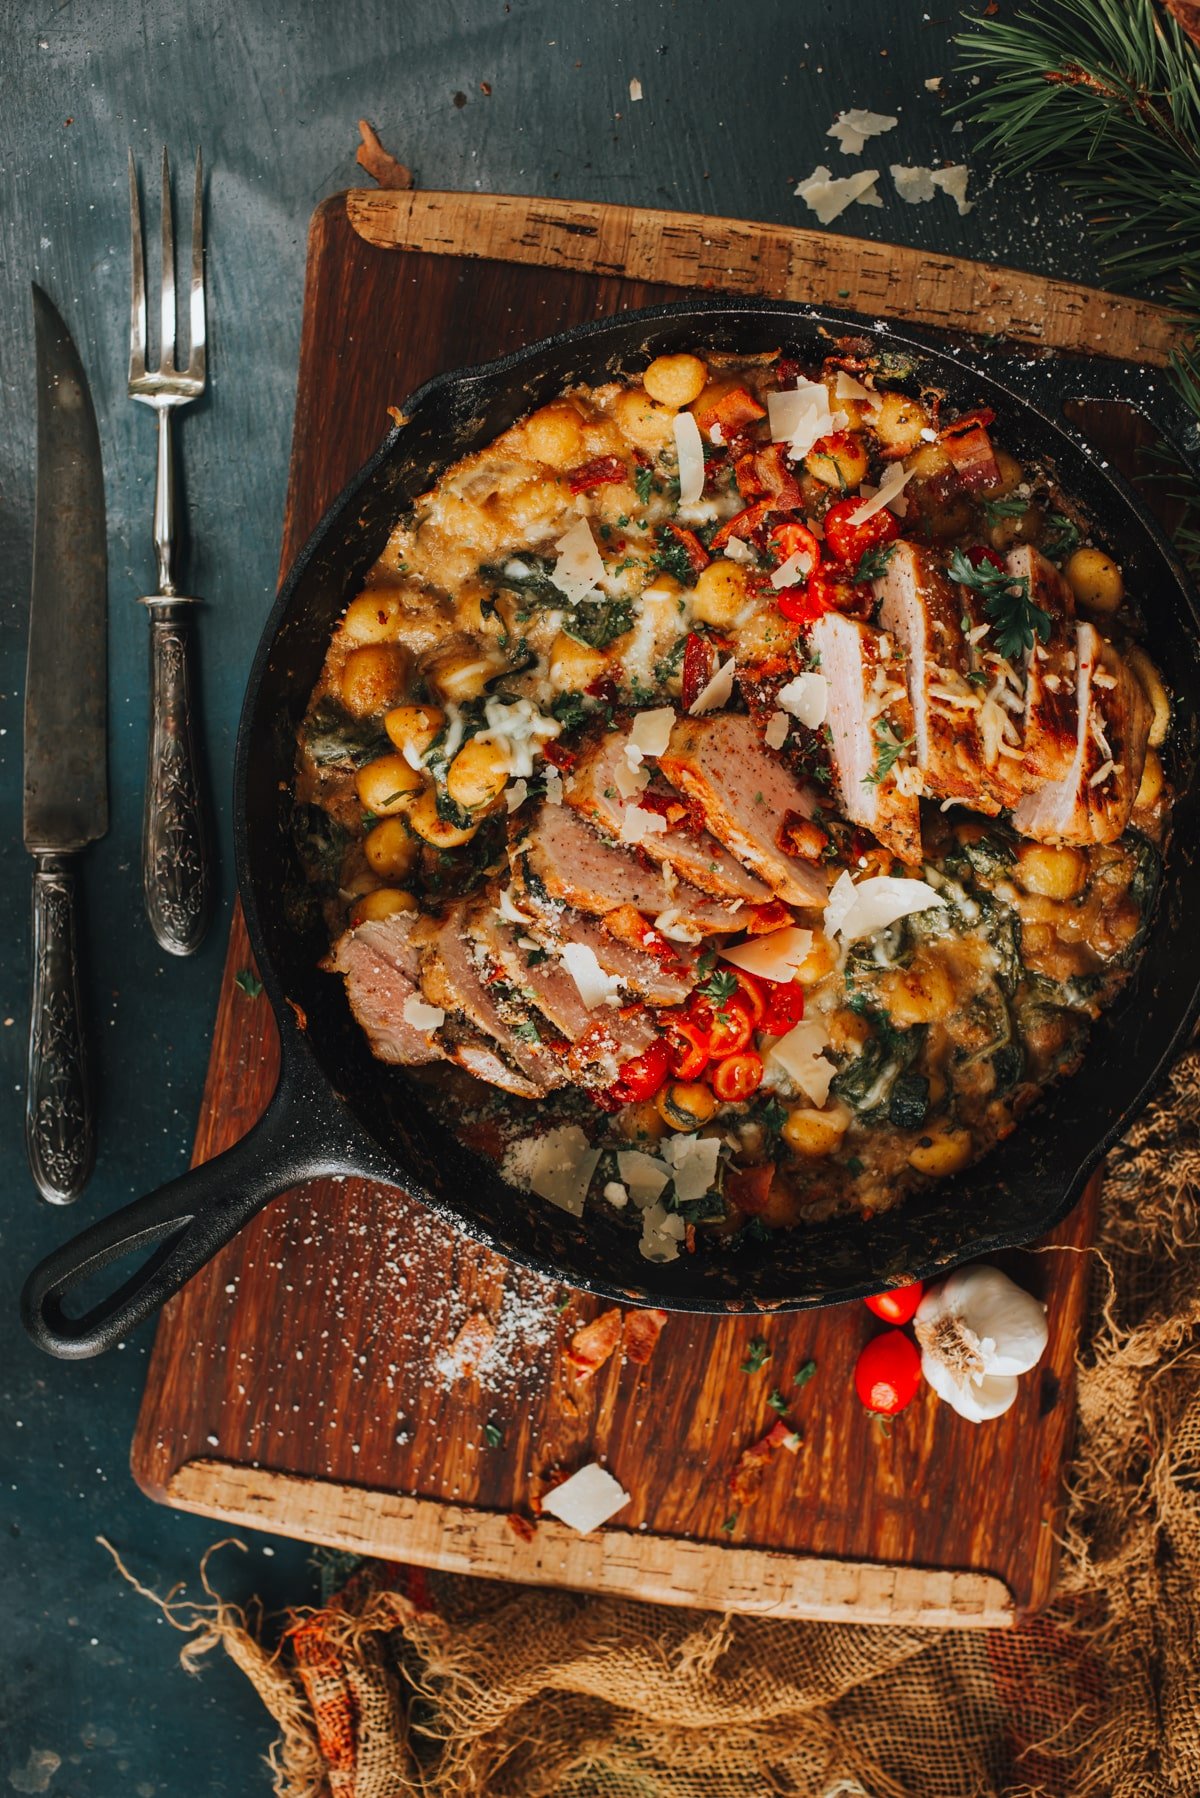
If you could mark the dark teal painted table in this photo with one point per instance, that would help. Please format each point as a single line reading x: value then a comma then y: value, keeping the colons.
x: 736, y: 107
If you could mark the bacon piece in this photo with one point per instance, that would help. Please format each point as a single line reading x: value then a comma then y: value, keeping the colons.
x: 692, y: 547
x: 593, y: 1343
x: 730, y: 407
x: 974, y: 458
x: 765, y: 472
x: 601, y: 471
x: 642, y: 1331
x: 746, y: 1480
x: 749, y: 1188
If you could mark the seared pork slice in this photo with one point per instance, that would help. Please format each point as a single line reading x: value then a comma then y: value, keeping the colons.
x: 869, y: 716
x: 746, y: 796
x: 1092, y: 803
x: 658, y: 981
x: 451, y: 979
x: 595, y: 789
x: 574, y: 864
x: 923, y: 611
x: 1050, y: 720
x: 601, y: 1037
x: 381, y: 968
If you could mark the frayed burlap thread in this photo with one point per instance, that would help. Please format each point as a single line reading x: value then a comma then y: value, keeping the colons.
x: 453, y: 1688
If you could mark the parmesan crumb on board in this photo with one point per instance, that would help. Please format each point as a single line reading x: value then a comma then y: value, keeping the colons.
x: 588, y: 1499
x: 829, y: 198
x: 635, y: 89
x: 853, y: 128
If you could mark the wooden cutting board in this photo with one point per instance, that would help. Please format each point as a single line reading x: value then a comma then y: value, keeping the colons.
x: 308, y: 1381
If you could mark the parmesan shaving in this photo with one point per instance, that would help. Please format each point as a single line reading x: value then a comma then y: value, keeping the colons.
x: 670, y: 924
x: 847, y: 388
x: 738, y: 550
x: 562, y: 1170
x: 637, y: 824
x: 579, y: 568
x: 806, y: 698
x: 644, y: 1175
x: 516, y: 795
x: 662, y: 1233
x: 801, y: 1056
x: 422, y: 1016
x: 774, y: 956
x: 829, y: 198
x: 716, y: 693
x: 916, y: 185
x: 798, y: 567
x: 874, y: 904
x: 635, y: 89
x: 588, y: 1499
x: 799, y: 415
x: 594, y: 986
x: 693, y: 1161
x: 630, y: 779
x: 650, y: 732
x: 894, y: 481
x: 775, y: 735
x: 508, y: 911
x: 853, y: 128
x: 616, y: 1195
x: 953, y: 181
x: 690, y: 451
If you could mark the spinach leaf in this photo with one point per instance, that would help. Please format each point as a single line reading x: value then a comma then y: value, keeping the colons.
x: 597, y: 622
x: 332, y: 738
x: 528, y: 576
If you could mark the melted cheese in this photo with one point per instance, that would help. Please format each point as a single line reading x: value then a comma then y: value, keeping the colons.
x: 422, y: 1016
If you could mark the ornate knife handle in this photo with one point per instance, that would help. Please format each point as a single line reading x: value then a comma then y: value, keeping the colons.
x: 176, y: 865
x: 60, y: 1123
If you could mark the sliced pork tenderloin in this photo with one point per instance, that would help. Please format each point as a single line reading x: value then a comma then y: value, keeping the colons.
x: 450, y: 977
x: 923, y: 611
x: 869, y: 714
x: 601, y: 789
x: 1093, y: 801
x: 1049, y: 724
x: 559, y: 852
x: 663, y: 979
x: 746, y: 797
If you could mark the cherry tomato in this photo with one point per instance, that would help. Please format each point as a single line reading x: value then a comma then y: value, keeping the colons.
x: 832, y: 588
x: 887, y: 1374
x: 898, y: 1305
x: 784, y: 1007
x: 791, y: 538
x: 732, y: 1028
x: 849, y: 541
x: 804, y: 605
x: 977, y: 554
x: 689, y: 1048
x: 641, y: 1077
x: 736, y: 1076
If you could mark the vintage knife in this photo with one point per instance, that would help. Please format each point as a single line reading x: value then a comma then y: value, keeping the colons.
x: 66, y: 749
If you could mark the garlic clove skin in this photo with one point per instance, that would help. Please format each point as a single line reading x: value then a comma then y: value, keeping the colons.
x: 978, y: 1331
x: 979, y: 1398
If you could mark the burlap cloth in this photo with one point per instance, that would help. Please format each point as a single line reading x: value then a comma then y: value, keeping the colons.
x: 442, y: 1686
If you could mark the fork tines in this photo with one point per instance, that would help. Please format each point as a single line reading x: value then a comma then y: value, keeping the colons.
x: 166, y: 381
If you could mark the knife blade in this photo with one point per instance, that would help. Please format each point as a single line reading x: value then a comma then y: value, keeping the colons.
x: 66, y: 748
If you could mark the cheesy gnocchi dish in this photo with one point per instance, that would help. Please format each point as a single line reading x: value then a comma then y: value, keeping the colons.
x: 736, y: 790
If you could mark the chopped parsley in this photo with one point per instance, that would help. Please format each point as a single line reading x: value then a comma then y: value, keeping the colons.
x: 888, y: 749
x: 643, y: 482
x: 757, y: 1355
x: 1060, y: 537
x: 493, y: 1435
x: 1007, y: 602
x: 805, y: 1375
x: 720, y: 987
x: 777, y: 1401
x: 672, y: 557
x: 1011, y: 505
x: 598, y: 622
x: 249, y: 982
x: 855, y: 1165
x: 535, y: 957
x: 570, y: 709
x: 730, y: 1523
x: 872, y: 564
x: 527, y: 1031
x: 772, y: 1115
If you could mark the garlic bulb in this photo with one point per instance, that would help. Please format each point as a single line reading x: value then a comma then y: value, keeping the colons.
x: 978, y: 1331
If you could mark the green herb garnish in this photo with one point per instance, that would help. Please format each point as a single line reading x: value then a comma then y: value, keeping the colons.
x: 872, y: 564
x: 730, y: 1523
x: 1007, y: 602
x: 777, y: 1401
x: 643, y: 482
x: 757, y: 1355
x: 598, y: 622
x: 493, y: 1434
x: 720, y: 987
x: 570, y: 709
x: 888, y: 749
x: 805, y: 1375
x: 1011, y: 505
x: 1060, y: 537
x: 249, y: 982
x: 527, y: 1031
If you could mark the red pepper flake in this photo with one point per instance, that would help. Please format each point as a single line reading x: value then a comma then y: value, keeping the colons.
x: 745, y: 1482
x: 593, y: 1343
x: 521, y: 1526
x: 642, y: 1331
x: 601, y: 471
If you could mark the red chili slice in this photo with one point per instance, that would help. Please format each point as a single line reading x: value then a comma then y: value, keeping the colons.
x: 641, y: 1077
x: 751, y: 994
x: 736, y: 1076
x: 689, y: 1048
x: 848, y: 541
x: 601, y: 471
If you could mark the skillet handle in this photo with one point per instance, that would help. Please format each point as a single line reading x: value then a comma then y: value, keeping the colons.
x: 183, y: 1224
x: 1051, y: 381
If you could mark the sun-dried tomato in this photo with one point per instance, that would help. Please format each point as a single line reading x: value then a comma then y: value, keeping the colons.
x: 699, y: 666
x: 601, y: 471
x: 593, y: 1343
x: 559, y: 756
x: 642, y: 1331
x: 641, y: 1076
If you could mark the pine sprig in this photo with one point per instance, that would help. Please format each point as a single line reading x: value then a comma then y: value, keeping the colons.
x: 1107, y: 93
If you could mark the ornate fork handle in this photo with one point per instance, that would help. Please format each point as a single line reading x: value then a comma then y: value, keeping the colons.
x: 60, y: 1123
x: 176, y: 865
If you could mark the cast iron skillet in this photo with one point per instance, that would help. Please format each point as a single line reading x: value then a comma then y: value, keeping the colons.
x: 338, y: 1111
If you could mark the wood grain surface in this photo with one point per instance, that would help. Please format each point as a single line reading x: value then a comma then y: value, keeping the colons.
x: 688, y: 249
x: 307, y: 1380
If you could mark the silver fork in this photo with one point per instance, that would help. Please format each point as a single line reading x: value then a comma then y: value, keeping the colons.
x: 176, y: 863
